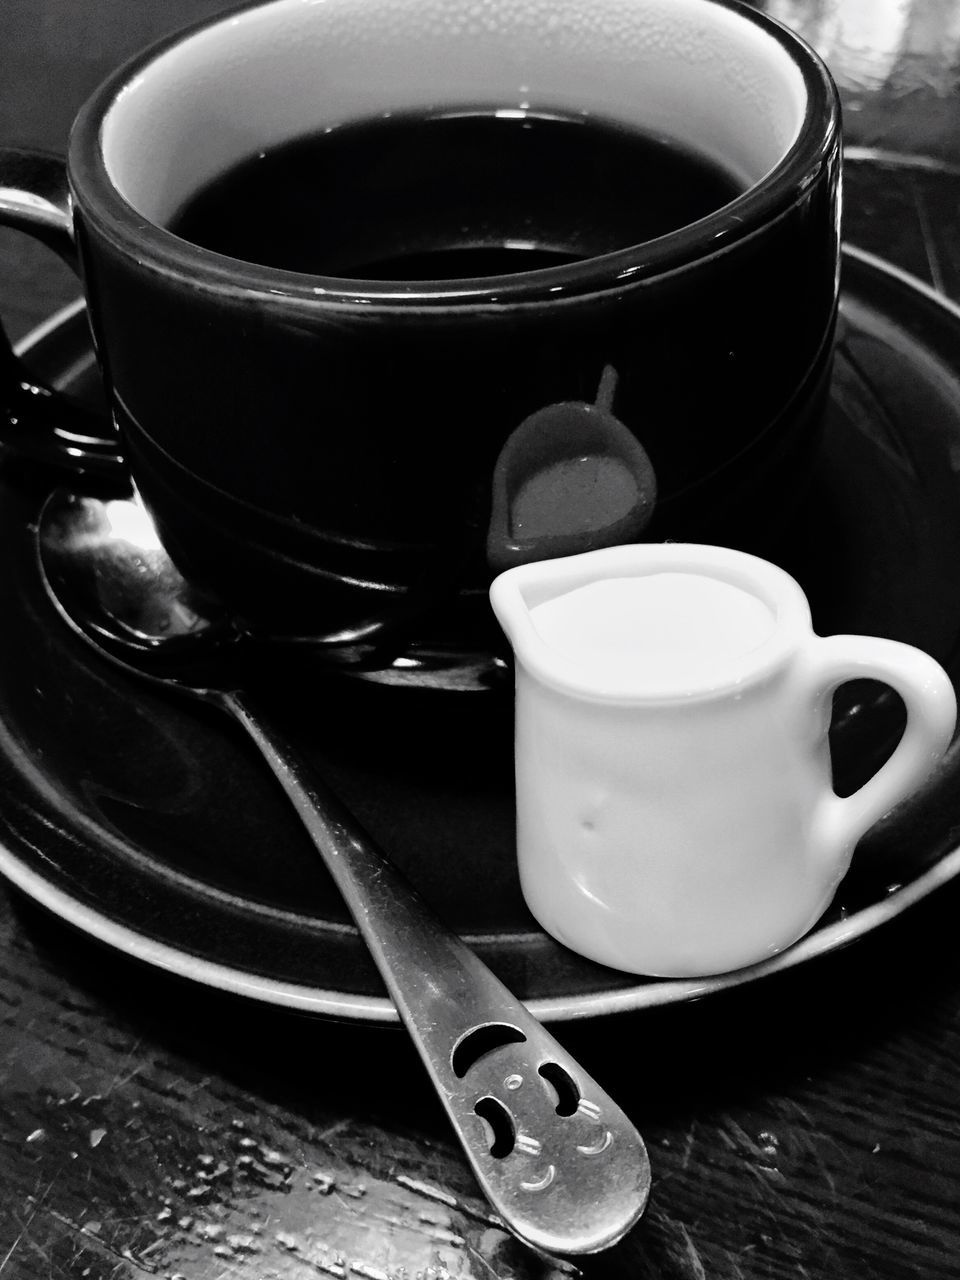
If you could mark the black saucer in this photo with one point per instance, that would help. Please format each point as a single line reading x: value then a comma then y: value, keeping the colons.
x: 153, y: 826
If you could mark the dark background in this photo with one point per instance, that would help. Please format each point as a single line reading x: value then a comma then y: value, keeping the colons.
x: 804, y: 1128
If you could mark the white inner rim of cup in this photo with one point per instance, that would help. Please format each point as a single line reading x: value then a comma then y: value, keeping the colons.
x: 688, y: 69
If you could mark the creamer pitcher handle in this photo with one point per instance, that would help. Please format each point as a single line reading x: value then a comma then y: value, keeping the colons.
x: 36, y: 421
x: 931, y: 707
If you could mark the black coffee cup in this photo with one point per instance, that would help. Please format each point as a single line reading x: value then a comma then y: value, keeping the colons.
x: 355, y: 456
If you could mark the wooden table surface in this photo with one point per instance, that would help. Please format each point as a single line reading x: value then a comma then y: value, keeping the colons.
x: 807, y: 1126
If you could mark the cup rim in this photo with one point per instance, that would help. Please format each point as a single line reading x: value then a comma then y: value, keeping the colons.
x: 816, y: 143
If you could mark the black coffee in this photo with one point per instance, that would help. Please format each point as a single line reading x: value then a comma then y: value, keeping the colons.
x: 453, y: 195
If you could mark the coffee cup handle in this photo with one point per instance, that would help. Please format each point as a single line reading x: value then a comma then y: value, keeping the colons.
x: 931, y: 706
x: 36, y: 421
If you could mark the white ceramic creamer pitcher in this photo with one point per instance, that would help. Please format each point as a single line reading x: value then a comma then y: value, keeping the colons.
x: 675, y: 808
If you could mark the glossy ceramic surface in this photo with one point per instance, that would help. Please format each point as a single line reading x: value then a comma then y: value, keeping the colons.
x: 151, y: 826
x: 346, y: 435
x: 675, y: 813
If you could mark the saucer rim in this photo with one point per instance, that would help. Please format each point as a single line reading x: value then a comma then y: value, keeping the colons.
x: 650, y: 994
x: 646, y: 994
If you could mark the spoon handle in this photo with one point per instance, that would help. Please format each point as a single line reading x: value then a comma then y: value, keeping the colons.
x: 560, y: 1162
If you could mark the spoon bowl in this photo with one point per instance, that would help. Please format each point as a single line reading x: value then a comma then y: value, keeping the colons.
x: 113, y: 583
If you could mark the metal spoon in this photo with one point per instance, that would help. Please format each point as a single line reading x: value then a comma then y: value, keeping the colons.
x: 559, y: 1161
